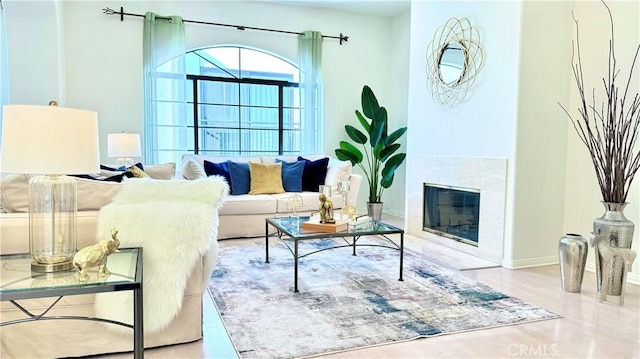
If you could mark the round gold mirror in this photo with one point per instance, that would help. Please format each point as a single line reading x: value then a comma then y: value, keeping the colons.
x: 454, y: 58
x: 451, y: 65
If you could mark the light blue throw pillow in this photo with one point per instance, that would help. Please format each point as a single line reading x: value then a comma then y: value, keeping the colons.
x: 240, y: 177
x: 292, y: 175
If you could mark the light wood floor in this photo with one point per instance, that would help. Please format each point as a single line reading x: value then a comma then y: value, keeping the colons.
x: 587, y: 329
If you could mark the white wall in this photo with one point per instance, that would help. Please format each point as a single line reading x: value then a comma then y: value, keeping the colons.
x: 538, y: 205
x: 103, y: 56
x: 484, y: 125
x: 35, y: 75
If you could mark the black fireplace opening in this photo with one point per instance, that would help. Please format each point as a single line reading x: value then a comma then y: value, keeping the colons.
x: 452, y: 212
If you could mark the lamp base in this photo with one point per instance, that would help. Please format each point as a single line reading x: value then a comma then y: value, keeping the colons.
x: 122, y: 161
x: 50, y: 267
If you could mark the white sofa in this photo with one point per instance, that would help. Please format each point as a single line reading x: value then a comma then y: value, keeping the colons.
x: 240, y: 216
x: 243, y: 215
x: 137, y: 213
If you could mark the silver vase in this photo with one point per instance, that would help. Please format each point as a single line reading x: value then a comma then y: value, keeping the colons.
x: 614, y: 228
x: 374, y: 210
x: 572, y: 250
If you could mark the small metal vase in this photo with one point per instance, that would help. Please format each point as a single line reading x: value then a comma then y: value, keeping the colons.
x: 572, y: 250
x: 374, y: 210
x: 614, y: 228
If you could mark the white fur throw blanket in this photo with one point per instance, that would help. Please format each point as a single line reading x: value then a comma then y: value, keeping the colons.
x: 176, y: 223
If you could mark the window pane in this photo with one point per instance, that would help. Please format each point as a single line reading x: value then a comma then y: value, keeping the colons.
x: 259, y: 117
x: 215, y: 92
x: 291, y: 141
x: 219, y: 116
x: 169, y: 87
x: 217, y: 139
x: 259, y: 95
x: 168, y: 114
x: 290, y: 119
x: 259, y: 140
x: 291, y: 97
x: 174, y: 138
x: 257, y: 64
x: 223, y: 61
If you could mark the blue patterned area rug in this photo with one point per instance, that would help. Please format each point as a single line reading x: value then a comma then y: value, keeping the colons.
x: 346, y: 301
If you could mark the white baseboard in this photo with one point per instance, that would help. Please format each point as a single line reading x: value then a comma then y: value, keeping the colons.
x: 632, y: 278
x: 528, y: 263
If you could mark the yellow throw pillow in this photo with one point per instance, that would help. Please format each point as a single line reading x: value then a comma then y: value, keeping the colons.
x: 266, y: 179
x: 137, y: 172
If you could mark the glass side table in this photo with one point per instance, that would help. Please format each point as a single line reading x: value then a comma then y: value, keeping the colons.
x: 18, y: 282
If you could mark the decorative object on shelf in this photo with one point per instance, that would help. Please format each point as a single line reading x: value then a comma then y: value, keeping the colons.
x: 609, y: 130
x: 95, y: 256
x: 349, y: 212
x: 294, y: 204
x: 124, y: 146
x: 326, y: 190
x: 343, y: 188
x: 326, y: 209
x: 454, y: 58
x: 609, y: 260
x: 313, y: 224
x: 50, y: 141
x: 572, y: 250
x: 614, y: 230
x: 359, y: 223
x: 380, y: 149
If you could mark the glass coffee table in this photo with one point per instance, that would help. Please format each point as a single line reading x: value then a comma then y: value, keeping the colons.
x: 17, y: 282
x: 289, y: 230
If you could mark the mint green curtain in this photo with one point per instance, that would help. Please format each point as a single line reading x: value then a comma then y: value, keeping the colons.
x: 312, y: 91
x: 164, y: 86
x: 4, y: 66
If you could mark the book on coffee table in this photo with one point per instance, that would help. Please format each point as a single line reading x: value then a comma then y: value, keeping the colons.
x: 314, y: 224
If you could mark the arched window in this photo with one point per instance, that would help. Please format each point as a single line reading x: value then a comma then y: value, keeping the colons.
x: 240, y: 101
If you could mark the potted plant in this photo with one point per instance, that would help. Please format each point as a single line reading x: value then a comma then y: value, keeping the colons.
x: 609, y: 129
x: 378, y: 158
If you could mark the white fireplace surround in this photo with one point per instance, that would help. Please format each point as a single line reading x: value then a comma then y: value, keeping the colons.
x: 489, y: 175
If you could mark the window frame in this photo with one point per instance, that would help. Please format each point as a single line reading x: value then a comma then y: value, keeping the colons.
x: 195, y: 79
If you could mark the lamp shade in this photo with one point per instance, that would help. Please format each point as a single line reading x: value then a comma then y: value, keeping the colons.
x: 123, y: 145
x: 49, y: 140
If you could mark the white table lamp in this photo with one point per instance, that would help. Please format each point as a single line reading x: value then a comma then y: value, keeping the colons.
x: 50, y: 141
x: 124, y: 146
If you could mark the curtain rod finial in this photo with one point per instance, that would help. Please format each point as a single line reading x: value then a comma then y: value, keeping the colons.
x: 343, y: 38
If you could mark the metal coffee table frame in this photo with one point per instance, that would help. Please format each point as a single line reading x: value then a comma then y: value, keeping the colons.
x: 291, y: 228
x: 7, y: 293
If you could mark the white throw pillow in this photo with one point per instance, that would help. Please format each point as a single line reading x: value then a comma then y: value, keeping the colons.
x: 164, y: 171
x: 192, y: 170
x: 91, y: 194
x: 337, y: 171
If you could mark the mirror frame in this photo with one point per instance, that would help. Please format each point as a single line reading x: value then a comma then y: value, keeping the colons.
x: 458, y: 31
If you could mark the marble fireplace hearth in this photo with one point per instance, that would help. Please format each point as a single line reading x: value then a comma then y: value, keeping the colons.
x: 489, y: 175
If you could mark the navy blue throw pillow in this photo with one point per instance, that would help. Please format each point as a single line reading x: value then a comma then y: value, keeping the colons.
x: 314, y: 173
x: 219, y: 169
x: 121, y: 168
x: 240, y: 177
x: 114, y: 178
x: 292, y: 175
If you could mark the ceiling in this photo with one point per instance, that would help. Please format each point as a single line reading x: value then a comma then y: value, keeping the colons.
x: 387, y: 8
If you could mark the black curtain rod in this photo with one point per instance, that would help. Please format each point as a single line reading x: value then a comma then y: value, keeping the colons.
x: 108, y: 11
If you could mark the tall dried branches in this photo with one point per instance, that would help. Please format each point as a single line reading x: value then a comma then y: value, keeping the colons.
x: 610, y: 133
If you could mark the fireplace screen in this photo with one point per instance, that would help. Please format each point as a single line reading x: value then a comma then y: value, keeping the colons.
x: 452, y: 212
